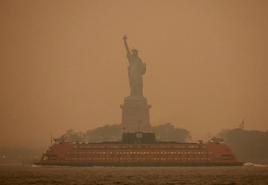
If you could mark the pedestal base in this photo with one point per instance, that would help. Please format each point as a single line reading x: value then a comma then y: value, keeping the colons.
x: 135, y: 114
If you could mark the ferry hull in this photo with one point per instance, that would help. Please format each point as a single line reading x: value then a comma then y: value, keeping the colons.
x: 122, y: 154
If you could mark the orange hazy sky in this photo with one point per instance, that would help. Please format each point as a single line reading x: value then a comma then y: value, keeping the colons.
x: 63, y: 64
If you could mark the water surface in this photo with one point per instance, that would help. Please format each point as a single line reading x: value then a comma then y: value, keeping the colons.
x: 24, y: 175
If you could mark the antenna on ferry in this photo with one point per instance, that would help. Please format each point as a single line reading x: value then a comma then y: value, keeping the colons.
x: 124, y: 129
x: 242, y: 125
x: 51, y: 138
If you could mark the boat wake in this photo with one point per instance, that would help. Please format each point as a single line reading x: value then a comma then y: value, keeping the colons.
x: 255, y: 165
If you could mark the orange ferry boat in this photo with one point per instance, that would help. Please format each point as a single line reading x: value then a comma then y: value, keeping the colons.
x: 139, y: 149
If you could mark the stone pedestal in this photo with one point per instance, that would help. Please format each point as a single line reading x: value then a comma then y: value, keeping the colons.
x: 135, y: 114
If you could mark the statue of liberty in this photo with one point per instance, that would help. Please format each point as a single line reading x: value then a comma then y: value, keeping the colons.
x: 136, y: 69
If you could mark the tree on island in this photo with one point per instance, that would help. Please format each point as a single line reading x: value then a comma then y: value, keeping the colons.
x: 248, y: 145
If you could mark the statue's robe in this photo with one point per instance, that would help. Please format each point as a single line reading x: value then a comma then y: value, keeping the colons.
x: 136, y: 69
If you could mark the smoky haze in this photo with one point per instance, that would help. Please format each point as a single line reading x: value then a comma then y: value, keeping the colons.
x: 63, y: 65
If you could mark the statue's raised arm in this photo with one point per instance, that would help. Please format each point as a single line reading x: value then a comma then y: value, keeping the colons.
x: 126, y: 45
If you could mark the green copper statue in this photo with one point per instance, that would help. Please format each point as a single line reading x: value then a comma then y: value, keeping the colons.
x: 136, y: 69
